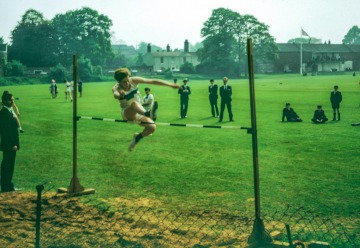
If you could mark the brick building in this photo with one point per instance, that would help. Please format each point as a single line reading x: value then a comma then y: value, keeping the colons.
x: 317, y: 58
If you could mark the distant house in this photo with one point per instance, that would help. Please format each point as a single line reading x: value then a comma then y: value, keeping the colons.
x: 317, y: 58
x: 160, y: 60
x: 3, y: 58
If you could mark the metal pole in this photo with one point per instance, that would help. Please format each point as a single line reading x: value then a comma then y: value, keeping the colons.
x: 39, y: 188
x: 75, y: 187
x: 75, y: 183
x: 254, y: 130
x: 301, y: 66
x: 74, y: 117
x: 259, y: 235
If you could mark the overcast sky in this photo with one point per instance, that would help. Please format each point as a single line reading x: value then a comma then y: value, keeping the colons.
x: 162, y: 22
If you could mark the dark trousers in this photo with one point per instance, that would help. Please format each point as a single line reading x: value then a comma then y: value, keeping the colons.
x: 214, y: 106
x: 184, y: 102
x: 319, y: 122
x: 7, y: 171
x: 222, y: 108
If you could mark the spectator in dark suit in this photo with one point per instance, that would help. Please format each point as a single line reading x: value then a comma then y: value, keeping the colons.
x: 213, y: 97
x: 290, y: 114
x: 184, y: 92
x: 80, y: 88
x: 319, y: 116
x: 335, y: 99
x: 225, y: 94
x: 9, y: 142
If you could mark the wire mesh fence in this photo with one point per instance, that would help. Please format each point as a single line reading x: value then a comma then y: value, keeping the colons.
x: 82, y: 222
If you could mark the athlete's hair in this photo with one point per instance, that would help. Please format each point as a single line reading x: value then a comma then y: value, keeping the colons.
x: 121, y: 73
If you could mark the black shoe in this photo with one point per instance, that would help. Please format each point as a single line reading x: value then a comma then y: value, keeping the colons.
x: 231, y: 120
x: 22, y: 130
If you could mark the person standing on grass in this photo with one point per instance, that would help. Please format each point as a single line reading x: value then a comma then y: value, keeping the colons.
x: 213, y: 97
x: 319, y: 116
x: 127, y: 93
x: 9, y: 142
x: 290, y: 114
x: 15, y: 111
x: 184, y: 92
x: 68, y: 90
x: 335, y: 99
x: 53, y: 89
x: 80, y: 89
x: 225, y: 94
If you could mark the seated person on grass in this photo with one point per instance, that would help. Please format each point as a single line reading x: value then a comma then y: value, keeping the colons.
x: 290, y: 114
x: 319, y: 116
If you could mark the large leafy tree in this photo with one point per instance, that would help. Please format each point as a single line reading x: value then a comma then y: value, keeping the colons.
x: 84, y: 32
x: 218, y: 54
x: 226, y: 33
x: 352, y: 36
x: 31, y: 40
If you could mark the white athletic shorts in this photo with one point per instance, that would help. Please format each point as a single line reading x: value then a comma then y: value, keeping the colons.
x: 137, y: 118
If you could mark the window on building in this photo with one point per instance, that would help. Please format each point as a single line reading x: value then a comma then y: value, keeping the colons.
x: 162, y: 60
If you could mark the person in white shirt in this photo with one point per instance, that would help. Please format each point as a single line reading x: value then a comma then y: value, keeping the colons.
x: 68, y: 91
x: 127, y: 92
x: 148, y: 100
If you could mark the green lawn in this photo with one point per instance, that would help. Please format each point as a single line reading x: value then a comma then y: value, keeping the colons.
x: 315, y: 166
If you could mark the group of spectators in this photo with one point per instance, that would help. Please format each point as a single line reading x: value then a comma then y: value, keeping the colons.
x: 69, y: 88
x: 319, y: 114
x: 225, y: 92
x: 134, y: 109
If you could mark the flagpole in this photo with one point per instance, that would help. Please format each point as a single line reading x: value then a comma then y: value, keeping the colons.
x: 301, y: 52
x: 301, y: 57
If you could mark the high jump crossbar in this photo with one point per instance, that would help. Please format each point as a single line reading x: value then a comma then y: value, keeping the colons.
x: 162, y: 123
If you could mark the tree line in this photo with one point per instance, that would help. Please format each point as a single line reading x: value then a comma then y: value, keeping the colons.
x: 37, y: 42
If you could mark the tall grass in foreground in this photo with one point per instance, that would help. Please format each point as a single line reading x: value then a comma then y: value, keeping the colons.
x: 316, y: 166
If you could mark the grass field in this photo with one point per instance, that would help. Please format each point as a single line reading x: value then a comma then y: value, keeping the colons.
x: 315, y: 166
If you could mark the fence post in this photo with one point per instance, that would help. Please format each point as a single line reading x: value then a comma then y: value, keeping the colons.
x: 39, y: 188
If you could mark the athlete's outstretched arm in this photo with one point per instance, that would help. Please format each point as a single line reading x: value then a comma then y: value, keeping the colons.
x: 141, y: 80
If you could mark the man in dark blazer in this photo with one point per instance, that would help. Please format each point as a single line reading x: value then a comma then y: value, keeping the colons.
x: 225, y: 94
x: 319, y: 116
x: 9, y: 142
x: 184, y: 92
x: 335, y: 99
x: 213, y: 97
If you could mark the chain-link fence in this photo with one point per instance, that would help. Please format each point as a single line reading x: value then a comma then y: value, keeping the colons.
x: 50, y: 220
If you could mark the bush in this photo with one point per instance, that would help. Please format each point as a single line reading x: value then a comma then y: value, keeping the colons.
x: 187, y: 68
x: 97, y: 70
x: 59, y: 73
x: 14, y: 68
x: 168, y: 74
x: 85, y: 69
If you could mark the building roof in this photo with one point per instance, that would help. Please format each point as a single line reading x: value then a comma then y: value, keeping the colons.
x: 171, y: 54
x: 318, y: 48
